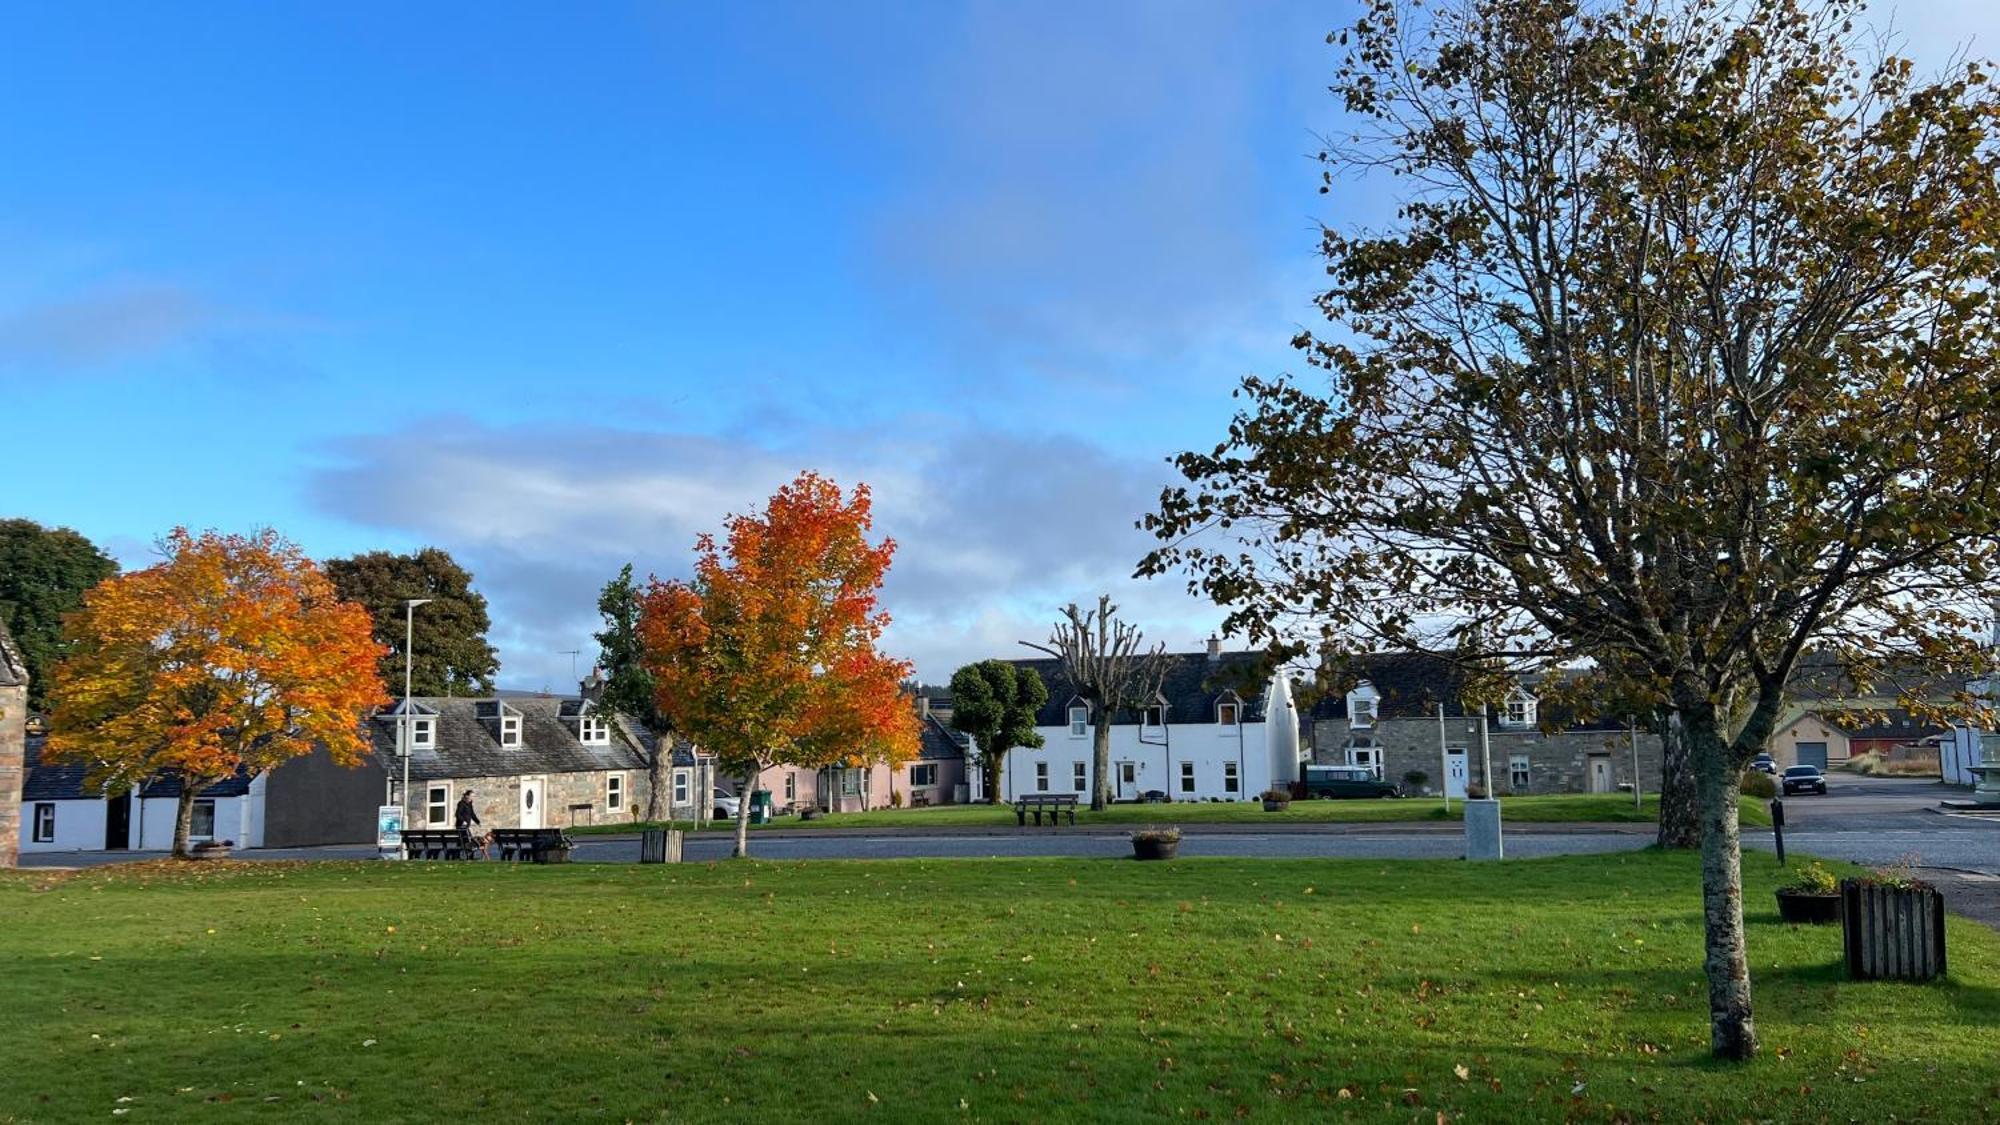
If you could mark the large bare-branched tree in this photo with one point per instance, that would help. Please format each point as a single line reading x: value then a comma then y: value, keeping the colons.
x: 1677, y: 358
x: 1108, y: 665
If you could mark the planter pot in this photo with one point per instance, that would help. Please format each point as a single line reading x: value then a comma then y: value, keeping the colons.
x: 552, y: 855
x: 1892, y: 933
x: 209, y: 851
x: 1155, y: 849
x: 1801, y: 908
x: 1276, y: 806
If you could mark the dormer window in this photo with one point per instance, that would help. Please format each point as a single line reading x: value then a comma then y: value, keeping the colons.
x: 1521, y: 710
x: 1155, y: 716
x: 510, y: 730
x: 423, y: 733
x: 1079, y: 720
x: 1228, y: 714
x: 1362, y: 706
x: 593, y: 731
x: 1363, y: 714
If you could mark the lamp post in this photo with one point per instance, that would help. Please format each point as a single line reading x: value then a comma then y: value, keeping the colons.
x: 403, y: 721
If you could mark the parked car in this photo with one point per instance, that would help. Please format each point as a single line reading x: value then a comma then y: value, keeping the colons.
x: 1804, y: 779
x: 1347, y: 781
x: 1763, y: 763
x: 726, y: 805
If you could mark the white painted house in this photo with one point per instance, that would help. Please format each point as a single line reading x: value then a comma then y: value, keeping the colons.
x: 1213, y: 733
x: 58, y: 814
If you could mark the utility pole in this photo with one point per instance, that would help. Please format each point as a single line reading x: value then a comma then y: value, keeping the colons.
x: 403, y: 721
x: 1638, y: 800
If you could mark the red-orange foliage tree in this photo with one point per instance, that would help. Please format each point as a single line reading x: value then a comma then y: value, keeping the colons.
x: 768, y: 654
x: 234, y: 653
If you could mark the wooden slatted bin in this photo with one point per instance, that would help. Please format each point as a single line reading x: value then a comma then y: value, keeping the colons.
x: 1892, y: 932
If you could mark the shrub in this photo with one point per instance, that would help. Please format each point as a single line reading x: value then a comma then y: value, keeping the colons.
x: 1814, y: 879
x: 1757, y: 784
x: 1275, y: 794
x: 1416, y: 779
x: 1157, y: 835
x: 1474, y: 791
x: 895, y: 798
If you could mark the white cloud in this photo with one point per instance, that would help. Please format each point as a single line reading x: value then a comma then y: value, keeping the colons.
x: 994, y: 531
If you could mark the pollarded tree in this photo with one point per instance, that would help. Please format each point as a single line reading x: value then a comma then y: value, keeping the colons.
x: 235, y: 653
x: 1678, y: 358
x: 1105, y: 660
x: 453, y: 656
x: 44, y: 572
x: 768, y: 654
x: 995, y: 702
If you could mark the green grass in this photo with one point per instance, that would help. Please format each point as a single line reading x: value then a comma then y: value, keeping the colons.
x: 1063, y: 990
x: 1600, y: 808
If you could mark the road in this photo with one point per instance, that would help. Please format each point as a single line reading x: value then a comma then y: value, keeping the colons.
x: 1866, y: 820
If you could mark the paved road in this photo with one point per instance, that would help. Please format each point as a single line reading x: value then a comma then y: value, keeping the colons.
x: 1867, y: 820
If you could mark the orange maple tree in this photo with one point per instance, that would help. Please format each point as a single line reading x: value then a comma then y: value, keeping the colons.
x: 235, y: 653
x: 768, y: 655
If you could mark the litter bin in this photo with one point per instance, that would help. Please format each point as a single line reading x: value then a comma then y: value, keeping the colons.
x: 760, y: 807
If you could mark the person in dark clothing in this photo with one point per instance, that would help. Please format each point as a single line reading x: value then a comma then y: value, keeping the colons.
x: 466, y: 816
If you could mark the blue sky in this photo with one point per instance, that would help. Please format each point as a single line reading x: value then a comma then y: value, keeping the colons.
x: 557, y: 286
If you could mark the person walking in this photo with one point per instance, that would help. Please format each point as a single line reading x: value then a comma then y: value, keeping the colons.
x: 465, y: 817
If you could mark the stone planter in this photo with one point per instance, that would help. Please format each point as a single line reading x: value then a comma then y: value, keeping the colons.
x: 552, y: 855
x: 1892, y: 932
x: 1800, y: 908
x: 1276, y: 806
x: 1154, y: 848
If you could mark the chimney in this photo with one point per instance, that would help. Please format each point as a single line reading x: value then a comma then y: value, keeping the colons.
x: 1214, y: 647
x: 923, y: 706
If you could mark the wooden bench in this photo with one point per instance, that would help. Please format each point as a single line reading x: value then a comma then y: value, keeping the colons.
x: 439, y: 843
x: 532, y: 845
x: 1055, y: 804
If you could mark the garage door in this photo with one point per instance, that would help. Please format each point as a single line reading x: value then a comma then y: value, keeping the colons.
x: 1812, y: 754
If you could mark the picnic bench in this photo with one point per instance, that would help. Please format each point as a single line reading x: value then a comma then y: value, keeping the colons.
x: 536, y: 845
x: 439, y: 843
x: 1055, y: 804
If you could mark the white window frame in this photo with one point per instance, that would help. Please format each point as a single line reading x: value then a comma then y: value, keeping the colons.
x: 423, y: 732
x: 1231, y: 782
x: 1080, y: 776
x: 44, y: 821
x: 1153, y: 717
x: 1041, y: 777
x: 1520, y: 711
x: 593, y: 731
x: 1362, y: 714
x: 510, y: 730
x: 923, y: 775
x: 614, y: 792
x: 1368, y: 757
x: 437, y: 804
x: 1228, y: 713
x: 791, y: 786
x: 195, y: 816
x: 1079, y: 721
x: 683, y: 787
x: 1520, y: 771
x: 1187, y: 777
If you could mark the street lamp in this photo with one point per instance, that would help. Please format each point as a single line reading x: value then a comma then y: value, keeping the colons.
x: 403, y: 721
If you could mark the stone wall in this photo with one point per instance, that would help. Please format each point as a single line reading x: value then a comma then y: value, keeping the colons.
x: 13, y: 745
x: 498, y: 799
x: 1557, y: 763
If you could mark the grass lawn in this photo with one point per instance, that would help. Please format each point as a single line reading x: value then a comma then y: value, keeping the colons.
x: 976, y: 990
x: 1603, y: 808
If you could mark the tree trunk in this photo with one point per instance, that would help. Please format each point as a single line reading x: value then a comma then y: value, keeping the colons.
x: 654, y: 774
x: 183, y: 818
x: 1100, y: 761
x: 1680, y: 806
x: 743, y: 794
x: 1732, y: 1032
x: 991, y: 762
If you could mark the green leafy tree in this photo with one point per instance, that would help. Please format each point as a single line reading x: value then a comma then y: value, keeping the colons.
x: 453, y: 655
x: 627, y: 687
x: 995, y: 702
x: 44, y: 572
x: 1677, y: 357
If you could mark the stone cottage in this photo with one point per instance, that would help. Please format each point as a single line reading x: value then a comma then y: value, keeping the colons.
x: 1387, y: 718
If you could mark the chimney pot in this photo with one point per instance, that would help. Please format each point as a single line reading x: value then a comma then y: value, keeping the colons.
x: 1214, y: 646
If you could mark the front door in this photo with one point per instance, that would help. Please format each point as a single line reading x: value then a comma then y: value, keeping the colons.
x: 531, y: 802
x: 1600, y: 774
x: 1454, y: 772
x: 118, y: 822
x: 1128, y: 781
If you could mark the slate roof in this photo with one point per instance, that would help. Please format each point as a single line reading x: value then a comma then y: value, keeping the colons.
x: 467, y: 746
x: 1891, y: 723
x: 65, y: 782
x: 13, y: 668
x: 1193, y: 683
x: 1410, y: 685
x: 938, y: 742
